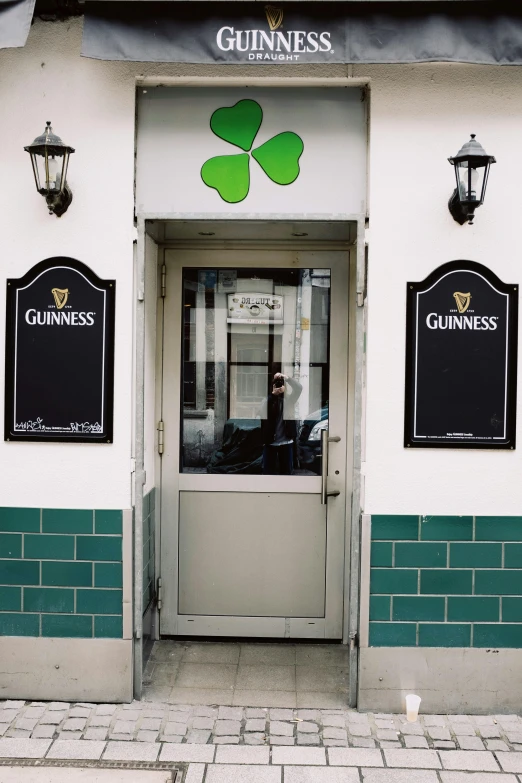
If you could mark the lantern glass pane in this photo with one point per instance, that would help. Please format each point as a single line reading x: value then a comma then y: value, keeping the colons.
x: 470, y: 182
x: 38, y: 170
x: 55, y: 173
x: 484, y: 182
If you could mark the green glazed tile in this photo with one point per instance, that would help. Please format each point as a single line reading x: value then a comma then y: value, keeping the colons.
x: 421, y: 555
x: 98, y: 548
x: 395, y: 527
x: 99, y: 601
x: 20, y: 520
x: 381, y: 553
x: 511, y: 610
x: 497, y: 635
x: 473, y: 608
x: 442, y: 528
x: 19, y: 624
x: 108, y: 575
x: 393, y: 580
x: 512, y: 556
x: 10, y: 545
x: 498, y: 582
x: 415, y: 608
x: 19, y: 572
x: 67, y: 574
x: 444, y: 635
x: 10, y: 599
x: 48, y: 599
x: 108, y: 522
x: 393, y: 634
x: 66, y: 626
x: 46, y: 547
x: 498, y: 529
x: 446, y: 581
x: 108, y: 627
x: 152, y: 499
x: 380, y: 607
x: 146, y: 505
x: 475, y: 555
x: 60, y: 520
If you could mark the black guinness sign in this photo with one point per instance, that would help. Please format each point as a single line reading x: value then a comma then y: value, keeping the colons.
x: 461, y: 359
x: 59, y: 354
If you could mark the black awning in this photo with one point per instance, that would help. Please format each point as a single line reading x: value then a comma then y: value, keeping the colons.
x: 309, y: 32
x: 15, y: 21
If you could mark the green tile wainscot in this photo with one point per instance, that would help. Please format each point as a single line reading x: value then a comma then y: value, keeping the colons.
x: 61, y: 572
x: 445, y: 581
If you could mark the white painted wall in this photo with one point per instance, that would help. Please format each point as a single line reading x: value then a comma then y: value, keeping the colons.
x: 419, y: 116
x: 92, y: 107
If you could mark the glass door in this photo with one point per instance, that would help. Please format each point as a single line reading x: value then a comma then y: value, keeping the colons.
x: 255, y: 369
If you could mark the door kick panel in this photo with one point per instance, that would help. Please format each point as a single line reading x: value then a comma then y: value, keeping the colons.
x: 252, y: 554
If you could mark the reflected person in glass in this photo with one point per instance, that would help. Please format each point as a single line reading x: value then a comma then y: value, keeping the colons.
x: 279, y: 426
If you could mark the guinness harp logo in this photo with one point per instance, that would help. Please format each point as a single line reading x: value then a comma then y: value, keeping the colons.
x: 60, y: 297
x: 274, y: 17
x: 462, y: 301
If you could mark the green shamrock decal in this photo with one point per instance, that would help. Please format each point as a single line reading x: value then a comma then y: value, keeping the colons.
x: 239, y: 125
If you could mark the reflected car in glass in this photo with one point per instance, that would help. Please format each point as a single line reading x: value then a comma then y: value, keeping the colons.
x: 309, y: 441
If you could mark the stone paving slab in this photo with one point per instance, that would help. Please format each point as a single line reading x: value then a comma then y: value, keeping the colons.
x: 399, y: 776
x: 471, y: 761
x: 510, y: 762
x: 291, y: 756
x: 320, y: 775
x: 17, y: 748
x: 476, y: 777
x: 76, y: 749
x: 219, y: 773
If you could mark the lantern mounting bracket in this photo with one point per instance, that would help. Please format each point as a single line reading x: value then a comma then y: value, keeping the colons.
x: 58, y: 203
x: 458, y: 212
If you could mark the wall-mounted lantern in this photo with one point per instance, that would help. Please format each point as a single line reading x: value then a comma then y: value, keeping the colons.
x: 471, y: 165
x: 50, y: 159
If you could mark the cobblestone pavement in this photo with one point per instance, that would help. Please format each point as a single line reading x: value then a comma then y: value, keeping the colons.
x: 151, y: 724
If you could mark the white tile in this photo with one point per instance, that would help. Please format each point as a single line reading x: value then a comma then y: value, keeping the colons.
x: 195, y: 773
x: 131, y: 751
x: 172, y: 751
x: 469, y: 760
x: 76, y: 749
x: 242, y: 754
x: 298, y: 755
x: 412, y: 759
x: 224, y: 773
x: 476, y: 777
x: 511, y: 761
x: 320, y: 775
x: 398, y: 776
x: 21, y: 748
x: 355, y: 757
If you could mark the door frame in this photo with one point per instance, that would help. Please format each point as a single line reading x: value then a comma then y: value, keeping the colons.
x: 357, y: 329
x: 329, y: 626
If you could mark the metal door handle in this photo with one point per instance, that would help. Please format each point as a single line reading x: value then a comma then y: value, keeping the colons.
x: 325, y: 440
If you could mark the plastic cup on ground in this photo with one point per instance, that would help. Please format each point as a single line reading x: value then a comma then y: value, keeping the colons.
x: 412, y: 707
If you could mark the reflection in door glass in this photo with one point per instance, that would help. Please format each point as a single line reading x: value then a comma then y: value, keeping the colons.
x: 255, y: 370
